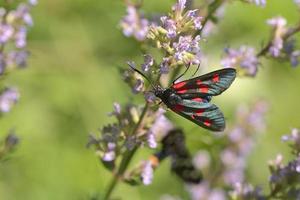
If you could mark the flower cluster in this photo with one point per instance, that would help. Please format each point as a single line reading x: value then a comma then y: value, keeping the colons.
x: 14, y: 24
x: 134, y: 24
x: 13, y: 32
x: 243, y: 59
x: 175, y: 37
x: 116, y: 138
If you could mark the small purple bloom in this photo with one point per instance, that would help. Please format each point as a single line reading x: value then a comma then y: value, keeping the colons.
x: 150, y: 97
x: 18, y: 58
x: 20, y: 37
x: 6, y: 32
x: 170, y: 26
x: 139, y: 86
x: 147, y: 173
x: 202, y: 159
x: 179, y: 6
x: 164, y: 66
x: 148, y: 62
x: 8, y: 98
x: 33, y: 2
x: 110, y: 154
x: 279, y: 30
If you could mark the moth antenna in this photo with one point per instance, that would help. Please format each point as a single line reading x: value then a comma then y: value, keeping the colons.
x: 140, y: 73
x: 181, y: 75
x: 196, y: 70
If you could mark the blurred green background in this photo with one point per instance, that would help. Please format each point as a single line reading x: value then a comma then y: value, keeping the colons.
x: 73, y: 79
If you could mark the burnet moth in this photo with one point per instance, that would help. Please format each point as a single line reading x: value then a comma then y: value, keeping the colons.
x: 191, y: 98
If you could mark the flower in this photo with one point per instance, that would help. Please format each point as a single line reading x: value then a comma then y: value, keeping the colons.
x: 8, y: 98
x: 20, y: 37
x: 202, y: 159
x: 148, y: 62
x: 279, y: 30
x: 293, y: 138
x: 147, y: 173
x: 290, y: 52
x: 186, y: 48
x: 206, y: 192
x: 133, y: 24
x: 243, y: 59
x: 261, y: 3
x: 6, y: 32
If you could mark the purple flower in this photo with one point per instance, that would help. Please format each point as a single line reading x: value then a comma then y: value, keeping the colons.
x: 6, y: 32
x: 186, y: 48
x: 110, y: 154
x: 164, y: 66
x: 205, y: 191
x: 293, y: 138
x: 151, y: 140
x: 150, y: 97
x: 162, y: 125
x: 33, y: 2
x: 170, y: 26
x: 279, y: 30
x: 139, y: 86
x: 243, y: 59
x: 202, y: 159
x: 20, y: 37
x: 179, y: 6
x: 148, y: 62
x: 258, y: 2
x: 18, y: 58
x: 8, y: 98
x: 133, y: 24
x: 147, y: 173
x: 117, y: 110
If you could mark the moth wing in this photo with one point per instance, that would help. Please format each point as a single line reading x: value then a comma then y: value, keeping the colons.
x: 211, y: 84
x: 204, y: 114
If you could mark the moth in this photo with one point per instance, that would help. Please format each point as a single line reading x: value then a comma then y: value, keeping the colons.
x: 191, y: 98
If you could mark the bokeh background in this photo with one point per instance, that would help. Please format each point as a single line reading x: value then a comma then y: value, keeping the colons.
x: 73, y: 79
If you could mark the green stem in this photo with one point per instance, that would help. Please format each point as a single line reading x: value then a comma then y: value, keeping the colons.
x: 126, y: 158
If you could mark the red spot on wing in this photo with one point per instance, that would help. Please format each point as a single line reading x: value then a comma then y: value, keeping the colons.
x: 182, y: 91
x: 178, y: 107
x: 199, y: 112
x: 179, y: 85
x: 207, y: 123
x: 198, y: 82
x: 198, y: 99
x: 216, y: 78
x: 204, y: 89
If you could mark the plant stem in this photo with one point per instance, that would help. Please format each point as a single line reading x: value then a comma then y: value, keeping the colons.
x: 126, y: 158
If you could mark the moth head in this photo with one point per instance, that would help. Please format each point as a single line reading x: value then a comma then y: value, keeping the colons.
x: 158, y: 91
